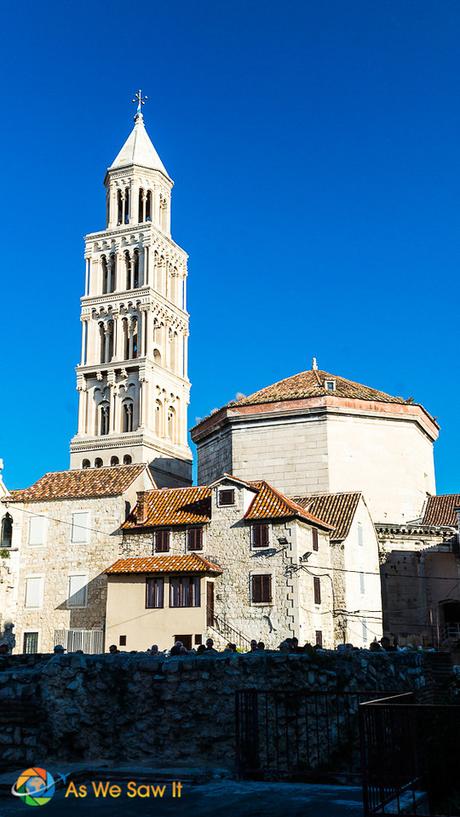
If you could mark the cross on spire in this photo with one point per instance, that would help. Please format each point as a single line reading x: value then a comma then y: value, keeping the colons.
x: 141, y: 100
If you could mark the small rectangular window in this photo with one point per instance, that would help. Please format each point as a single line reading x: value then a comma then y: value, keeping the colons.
x: 319, y: 638
x: 226, y: 497
x: 198, y: 639
x: 122, y: 641
x: 360, y: 534
x: 184, y: 591
x: 80, y: 527
x: 162, y: 540
x: 34, y: 592
x: 154, y: 597
x: 195, y: 539
x: 37, y: 530
x: 261, y: 588
x: 330, y: 385
x: 78, y: 586
x: 362, y: 588
x: 314, y: 536
x: 317, y: 589
x: 30, y: 643
x: 260, y: 536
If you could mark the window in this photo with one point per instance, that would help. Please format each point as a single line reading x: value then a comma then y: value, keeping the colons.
x: 114, y: 461
x: 314, y: 538
x: 184, y: 591
x: 86, y: 464
x: 127, y: 459
x: 329, y: 385
x: 37, y: 530
x: 195, y: 539
x: 360, y: 534
x: 317, y: 589
x: 198, y: 639
x: 98, y: 462
x: 30, y: 643
x: 104, y: 418
x: 362, y: 588
x: 261, y: 588
x: 226, y: 497
x: 319, y: 638
x: 78, y: 587
x: 122, y: 641
x: 128, y: 409
x: 154, y: 592
x: 161, y: 541
x: 260, y: 536
x: 7, y: 531
x: 80, y: 526
x: 34, y: 592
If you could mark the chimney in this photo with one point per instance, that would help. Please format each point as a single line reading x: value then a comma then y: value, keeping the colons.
x: 141, y: 507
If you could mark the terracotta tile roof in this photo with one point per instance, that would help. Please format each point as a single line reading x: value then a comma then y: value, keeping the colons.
x: 271, y: 504
x: 172, y: 506
x: 312, y: 384
x: 440, y: 510
x: 83, y: 483
x: 336, y: 509
x: 188, y: 563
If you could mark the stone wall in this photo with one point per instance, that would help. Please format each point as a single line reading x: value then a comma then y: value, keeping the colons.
x: 179, y: 711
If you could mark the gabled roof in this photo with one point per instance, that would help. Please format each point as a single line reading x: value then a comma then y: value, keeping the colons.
x: 311, y: 383
x: 173, y: 506
x: 187, y: 563
x: 167, y: 507
x: 440, y: 510
x: 271, y: 504
x: 139, y: 150
x: 84, y: 483
x: 336, y: 509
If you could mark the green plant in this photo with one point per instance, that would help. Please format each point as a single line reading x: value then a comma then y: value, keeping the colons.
x: 4, y: 553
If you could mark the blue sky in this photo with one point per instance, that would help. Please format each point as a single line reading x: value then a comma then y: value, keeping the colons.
x: 315, y: 153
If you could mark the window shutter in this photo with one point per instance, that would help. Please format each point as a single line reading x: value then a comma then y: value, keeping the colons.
x: 317, y: 589
x: 80, y: 526
x: 34, y: 587
x: 314, y: 533
x: 267, y: 588
x: 256, y: 589
x: 77, y: 591
x: 37, y: 530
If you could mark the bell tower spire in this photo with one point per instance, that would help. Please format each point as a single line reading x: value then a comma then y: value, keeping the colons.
x: 132, y: 378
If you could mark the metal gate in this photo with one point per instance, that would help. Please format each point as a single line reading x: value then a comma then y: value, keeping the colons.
x: 299, y: 735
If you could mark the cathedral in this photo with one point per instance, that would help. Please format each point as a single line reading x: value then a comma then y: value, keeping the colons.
x: 307, y: 488
x: 132, y: 378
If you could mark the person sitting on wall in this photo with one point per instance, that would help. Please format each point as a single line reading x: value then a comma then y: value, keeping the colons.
x: 4, y: 648
x: 253, y: 645
x: 113, y: 649
x: 285, y: 645
x: 210, y: 645
x: 374, y: 646
x: 201, y: 649
x: 154, y: 650
x: 178, y: 649
x: 59, y: 649
x: 260, y: 646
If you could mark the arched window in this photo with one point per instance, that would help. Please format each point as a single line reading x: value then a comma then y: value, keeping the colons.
x: 158, y: 418
x: 102, y: 339
x: 128, y: 410
x: 127, y: 205
x: 86, y: 464
x: 127, y: 459
x: 157, y: 356
x: 125, y: 340
x: 7, y: 531
x: 128, y: 270
x: 104, y: 418
x: 173, y: 350
x: 141, y: 205
x: 105, y: 274
x: 171, y: 423
x: 109, y: 341
x: 148, y: 206
x: 98, y: 462
x: 114, y: 461
x: 112, y: 278
x: 135, y: 338
x: 119, y: 207
x: 135, y: 269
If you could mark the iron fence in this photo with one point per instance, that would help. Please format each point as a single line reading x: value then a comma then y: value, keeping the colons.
x: 299, y: 735
x: 410, y: 757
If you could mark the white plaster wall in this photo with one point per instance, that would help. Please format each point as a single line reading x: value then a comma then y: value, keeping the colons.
x: 364, y: 559
x: 390, y: 461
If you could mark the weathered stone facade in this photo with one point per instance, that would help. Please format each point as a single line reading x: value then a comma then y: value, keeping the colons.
x: 177, y: 711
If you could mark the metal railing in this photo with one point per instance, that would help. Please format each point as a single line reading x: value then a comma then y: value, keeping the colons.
x: 410, y: 757
x: 227, y: 631
x: 299, y: 734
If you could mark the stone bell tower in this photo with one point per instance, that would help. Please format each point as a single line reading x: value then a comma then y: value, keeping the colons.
x: 132, y: 378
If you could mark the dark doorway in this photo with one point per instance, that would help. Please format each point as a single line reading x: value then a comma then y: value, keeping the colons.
x: 450, y: 612
x: 209, y: 604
